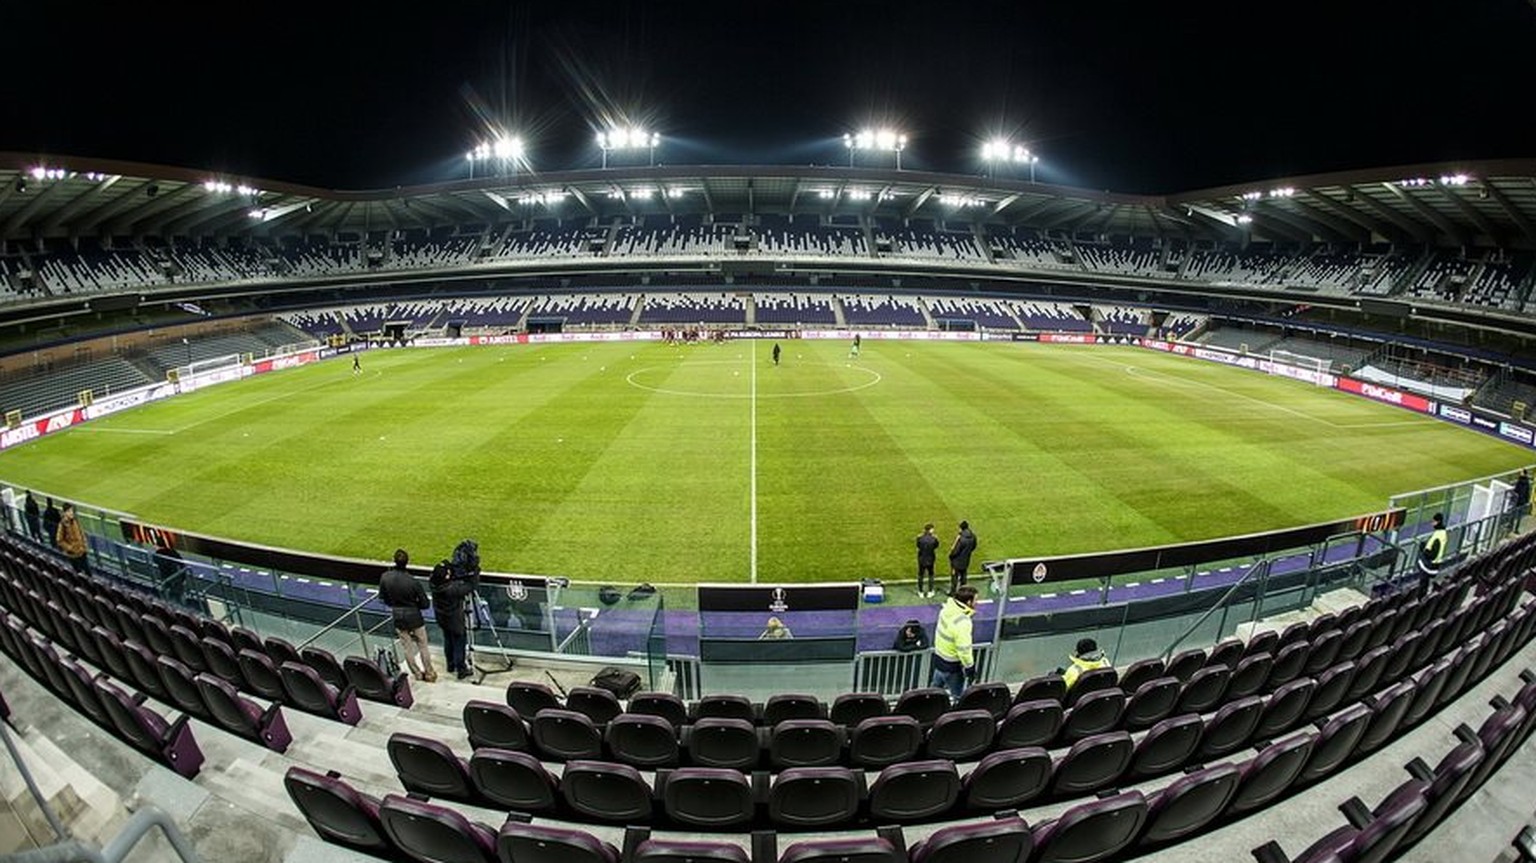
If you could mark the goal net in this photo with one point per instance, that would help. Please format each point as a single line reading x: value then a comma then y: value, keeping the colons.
x: 1302, y: 361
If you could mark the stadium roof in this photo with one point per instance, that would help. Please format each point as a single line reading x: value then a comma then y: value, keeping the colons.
x: 1486, y: 203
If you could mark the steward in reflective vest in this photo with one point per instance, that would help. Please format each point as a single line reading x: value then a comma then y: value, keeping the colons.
x: 954, y: 663
x: 1087, y: 658
x: 1432, y: 553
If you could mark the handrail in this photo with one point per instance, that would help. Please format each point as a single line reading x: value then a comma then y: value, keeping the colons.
x: 74, y: 851
x: 1263, y: 565
x: 339, y: 618
x: 52, y: 817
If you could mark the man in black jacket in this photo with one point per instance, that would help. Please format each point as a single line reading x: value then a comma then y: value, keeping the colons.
x: 448, y: 595
x: 51, y: 519
x: 406, y: 599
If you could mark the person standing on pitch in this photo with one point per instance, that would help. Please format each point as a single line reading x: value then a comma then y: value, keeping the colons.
x: 954, y: 662
x: 357, y: 365
x: 1432, y: 554
x: 775, y: 353
x: 960, y: 555
x: 406, y: 599
x: 927, y: 553
x: 853, y: 352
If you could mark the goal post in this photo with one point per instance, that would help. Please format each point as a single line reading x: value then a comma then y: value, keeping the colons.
x: 1302, y: 361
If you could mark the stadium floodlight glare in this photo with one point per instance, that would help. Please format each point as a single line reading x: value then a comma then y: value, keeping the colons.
x: 42, y: 173
x: 1282, y: 192
x: 955, y: 199
x: 631, y: 138
x: 217, y: 186
x: 505, y: 151
x: 1454, y: 180
x: 1244, y: 219
x: 1003, y: 151
x: 884, y: 140
x: 1251, y: 196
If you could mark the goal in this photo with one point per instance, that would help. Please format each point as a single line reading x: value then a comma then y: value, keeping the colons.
x: 1317, y: 365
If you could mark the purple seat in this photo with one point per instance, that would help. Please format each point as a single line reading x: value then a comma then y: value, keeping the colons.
x: 1167, y: 746
x: 1250, y: 675
x: 1369, y: 668
x: 1189, y: 804
x: 494, y: 725
x: 1001, y: 840
x: 528, y: 698
x: 995, y: 698
x: 1354, y: 639
x: 1231, y: 727
x: 114, y: 658
x: 641, y: 740
x: 180, y: 686
x: 565, y: 735
x: 282, y: 651
x: 1426, y: 697
x: 1445, y: 785
x: 1092, y: 764
x: 373, y: 684
x: 1371, y: 836
x: 1007, y: 779
x: 1091, y: 681
x: 1269, y: 774
x: 1289, y: 664
x: 870, y: 850
x: 188, y: 647
x: 1031, y: 723
x: 1052, y: 686
x: 1151, y: 702
x: 805, y: 743
x: 324, y: 664
x: 261, y: 676
x: 707, y: 797
x: 1302, y: 630
x: 530, y: 843
x: 814, y: 797
x: 1093, y: 831
x: 851, y: 708
x: 1138, y: 673
x: 685, y: 851
x: 242, y: 716
x: 725, y: 707
x: 222, y: 661
x: 1094, y: 713
x: 725, y: 743
x: 513, y: 780
x: 925, y: 705
x: 337, y: 812
x: 883, y: 740
x: 1336, y: 743
x: 1331, y: 686
x: 961, y: 735
x: 1206, y: 689
x: 145, y: 670
x: 157, y: 636
x: 1226, y: 653
x: 662, y: 704
x: 598, y: 705
x: 1387, y: 709
x: 779, y: 708
x: 914, y: 791
x: 309, y: 693
x: 1267, y: 641
x: 1284, y: 708
x: 1184, y: 665
x: 603, y: 791
x: 434, y: 834
x: 1324, y: 653
x: 429, y: 767
x: 245, y: 639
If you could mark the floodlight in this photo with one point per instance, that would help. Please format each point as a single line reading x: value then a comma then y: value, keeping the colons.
x: 885, y: 138
x: 1244, y: 219
x: 630, y: 138
x: 39, y: 172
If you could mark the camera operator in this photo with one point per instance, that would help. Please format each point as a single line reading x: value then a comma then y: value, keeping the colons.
x: 448, y: 593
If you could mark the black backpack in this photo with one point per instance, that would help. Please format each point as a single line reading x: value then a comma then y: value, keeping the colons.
x: 621, y: 683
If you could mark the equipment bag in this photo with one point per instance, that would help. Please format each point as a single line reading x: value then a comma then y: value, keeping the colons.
x: 388, y: 663
x: 621, y: 683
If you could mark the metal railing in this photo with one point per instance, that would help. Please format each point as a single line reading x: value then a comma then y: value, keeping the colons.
x: 357, y: 618
x: 1261, y: 568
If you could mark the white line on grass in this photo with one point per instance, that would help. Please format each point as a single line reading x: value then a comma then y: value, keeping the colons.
x: 753, y: 460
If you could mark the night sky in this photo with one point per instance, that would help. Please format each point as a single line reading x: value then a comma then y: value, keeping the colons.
x: 1143, y: 97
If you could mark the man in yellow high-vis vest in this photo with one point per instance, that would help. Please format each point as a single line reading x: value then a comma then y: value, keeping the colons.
x: 1432, y: 553
x: 954, y: 663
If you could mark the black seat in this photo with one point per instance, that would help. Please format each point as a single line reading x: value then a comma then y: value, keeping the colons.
x: 221, y: 660
x: 1336, y: 742
x: 1369, y: 668
x: 615, y: 793
x: 1091, y: 764
x: 1184, y: 665
x: 82, y: 691
x: 865, y: 850
x: 725, y: 743
x: 1284, y: 708
x: 1167, y: 746
x: 991, y: 697
x: 1352, y: 644
x: 1189, y: 804
x: 725, y: 707
x: 1325, y: 651
x: 642, y: 741
x: 1052, y: 686
x: 882, y: 740
x: 1269, y: 774
x: 688, y: 851
x: 170, y: 743
x: 851, y: 708
x: 814, y: 797
x: 779, y: 708
x: 242, y: 716
x: 1250, y: 675
x: 598, y: 705
x: 1331, y: 686
x: 1031, y: 723
x: 533, y: 843
x: 528, y: 698
x: 1267, y: 641
x: 282, y: 651
x: 805, y: 743
x: 514, y: 780
x: 914, y: 791
x: 1000, y: 840
x: 961, y: 735
x: 261, y: 676
x: 429, y: 767
x: 707, y: 797
x: 373, y: 684
x: 324, y: 664
x: 180, y: 686
x: 245, y: 639
x: 1150, y: 703
x: 565, y: 735
x: 434, y: 833
x: 309, y: 693
x: 1206, y: 689
x: 1138, y: 673
x: 113, y: 655
x: 146, y: 671
x: 1007, y: 779
x: 188, y: 646
x: 1387, y: 709
x: 157, y: 636
x: 1430, y: 682
x: 1091, y: 681
x: 338, y: 812
x: 1447, y: 782
x: 1302, y: 631
x: 1227, y: 653
x: 1094, y: 713
x: 662, y: 704
x: 1288, y: 665
x: 1092, y: 831
x: 1231, y: 727
x: 925, y: 705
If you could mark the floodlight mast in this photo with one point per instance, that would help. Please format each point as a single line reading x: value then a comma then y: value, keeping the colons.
x: 631, y: 138
x: 505, y: 150
x: 884, y: 139
x: 1003, y: 150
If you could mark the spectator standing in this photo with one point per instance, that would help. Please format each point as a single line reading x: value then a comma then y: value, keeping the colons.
x: 960, y: 555
x: 927, y: 553
x: 1087, y: 657
x: 1519, y: 497
x: 406, y: 599
x: 954, y: 662
x: 448, y: 595
x: 71, y: 540
x: 32, y: 516
x: 1432, y: 553
x: 51, y: 523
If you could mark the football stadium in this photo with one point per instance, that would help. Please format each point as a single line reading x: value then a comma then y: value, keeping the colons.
x: 646, y: 505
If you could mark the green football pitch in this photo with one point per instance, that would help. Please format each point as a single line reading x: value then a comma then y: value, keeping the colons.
x: 626, y: 462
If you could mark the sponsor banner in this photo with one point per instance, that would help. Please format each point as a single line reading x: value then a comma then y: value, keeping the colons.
x: 216, y: 376
x: 123, y: 401
x: 778, y: 600
x: 1517, y: 432
x: 762, y: 334
x: 1068, y: 338
x: 1021, y: 337
x: 515, y: 339
x: 1455, y: 414
x: 894, y: 335
x: 272, y: 364
x: 1385, y: 394
x: 438, y: 343
x: 1311, y: 376
x: 36, y: 427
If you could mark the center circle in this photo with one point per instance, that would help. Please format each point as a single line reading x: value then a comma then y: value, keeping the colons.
x: 636, y: 380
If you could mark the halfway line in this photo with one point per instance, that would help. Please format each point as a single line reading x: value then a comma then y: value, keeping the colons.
x: 753, y: 460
